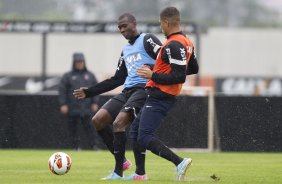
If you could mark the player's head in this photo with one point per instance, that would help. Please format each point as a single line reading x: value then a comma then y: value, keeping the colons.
x: 169, y: 20
x: 78, y: 61
x: 127, y: 26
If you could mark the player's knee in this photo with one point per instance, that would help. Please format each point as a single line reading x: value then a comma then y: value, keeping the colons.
x: 119, y: 126
x: 121, y: 122
x: 101, y: 119
x: 143, y: 140
x: 98, y: 122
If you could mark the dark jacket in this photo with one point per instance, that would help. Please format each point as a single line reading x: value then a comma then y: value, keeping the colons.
x: 73, y: 80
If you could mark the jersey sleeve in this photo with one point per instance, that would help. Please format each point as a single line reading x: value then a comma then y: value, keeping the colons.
x: 175, y: 55
x: 111, y: 83
x: 193, y: 67
x: 152, y: 45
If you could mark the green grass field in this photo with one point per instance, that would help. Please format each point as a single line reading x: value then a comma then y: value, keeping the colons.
x: 30, y: 166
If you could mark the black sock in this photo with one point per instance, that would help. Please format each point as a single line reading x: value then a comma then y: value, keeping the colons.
x: 107, y: 136
x: 160, y: 149
x: 139, y: 155
x: 119, y: 151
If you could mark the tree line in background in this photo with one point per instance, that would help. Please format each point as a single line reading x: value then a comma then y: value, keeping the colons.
x: 229, y: 13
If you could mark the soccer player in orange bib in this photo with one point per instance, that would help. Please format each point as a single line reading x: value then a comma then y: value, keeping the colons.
x: 175, y: 60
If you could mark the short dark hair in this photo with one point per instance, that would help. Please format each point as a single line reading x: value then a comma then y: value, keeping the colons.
x: 130, y: 17
x: 170, y: 13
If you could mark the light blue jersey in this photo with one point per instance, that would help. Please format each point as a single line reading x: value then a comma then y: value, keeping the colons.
x: 134, y: 57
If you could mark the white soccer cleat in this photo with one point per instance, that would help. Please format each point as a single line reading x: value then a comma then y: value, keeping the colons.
x: 182, y: 168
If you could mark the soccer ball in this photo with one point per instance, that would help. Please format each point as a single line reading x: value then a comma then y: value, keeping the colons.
x: 59, y: 163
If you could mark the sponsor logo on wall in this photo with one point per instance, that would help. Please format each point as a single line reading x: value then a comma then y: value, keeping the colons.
x: 229, y: 86
x: 249, y: 86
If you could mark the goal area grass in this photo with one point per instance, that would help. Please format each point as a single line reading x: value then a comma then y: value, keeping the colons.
x: 31, y: 166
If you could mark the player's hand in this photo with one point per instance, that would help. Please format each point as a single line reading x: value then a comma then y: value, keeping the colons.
x: 79, y: 93
x: 144, y: 72
x: 64, y: 109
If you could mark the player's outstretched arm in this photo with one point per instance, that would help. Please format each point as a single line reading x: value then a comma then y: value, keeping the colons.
x: 106, y: 85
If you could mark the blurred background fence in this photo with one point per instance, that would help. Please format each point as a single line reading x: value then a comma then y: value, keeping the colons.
x: 244, y: 123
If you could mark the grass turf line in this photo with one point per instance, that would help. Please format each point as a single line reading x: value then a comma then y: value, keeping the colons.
x: 30, y: 166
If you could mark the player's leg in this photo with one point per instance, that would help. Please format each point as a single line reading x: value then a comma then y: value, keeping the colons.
x: 139, y: 152
x: 136, y: 99
x: 139, y: 155
x: 101, y: 122
x: 104, y: 118
x: 120, y: 124
x: 119, y: 148
x: 154, y: 111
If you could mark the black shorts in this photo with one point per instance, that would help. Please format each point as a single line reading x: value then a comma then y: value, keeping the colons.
x: 130, y: 100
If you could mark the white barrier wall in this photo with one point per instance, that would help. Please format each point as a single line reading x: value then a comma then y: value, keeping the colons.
x: 102, y: 52
x: 224, y: 52
x: 20, y: 53
x: 242, y: 52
